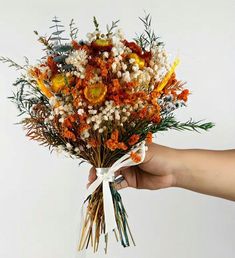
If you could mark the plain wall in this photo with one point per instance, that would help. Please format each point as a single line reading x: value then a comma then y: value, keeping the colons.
x: 41, y: 194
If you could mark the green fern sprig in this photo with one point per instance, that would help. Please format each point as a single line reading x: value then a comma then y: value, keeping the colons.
x: 43, y: 40
x: 12, y: 63
x: 96, y: 24
x: 112, y: 27
x: 169, y: 122
x: 56, y: 37
x: 148, y: 38
x: 73, y: 30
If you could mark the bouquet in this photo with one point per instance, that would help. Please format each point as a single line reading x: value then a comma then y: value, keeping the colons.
x: 101, y: 100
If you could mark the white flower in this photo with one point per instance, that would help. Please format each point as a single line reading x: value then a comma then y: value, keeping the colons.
x: 61, y: 120
x: 119, y: 74
x: 131, y: 60
x: 69, y: 146
x: 78, y: 59
x: 77, y: 150
x: 135, y: 68
x: 126, y: 76
x: 60, y: 148
x: 80, y: 111
x: 52, y: 101
x: 106, y: 54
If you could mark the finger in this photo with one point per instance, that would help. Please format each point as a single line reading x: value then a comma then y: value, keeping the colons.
x: 119, y: 171
x: 92, y: 176
x: 121, y: 184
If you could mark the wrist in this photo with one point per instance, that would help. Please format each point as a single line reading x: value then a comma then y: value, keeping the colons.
x: 180, y: 172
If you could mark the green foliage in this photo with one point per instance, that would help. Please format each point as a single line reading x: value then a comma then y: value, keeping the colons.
x: 112, y: 27
x: 148, y: 38
x: 56, y: 35
x: 73, y: 30
x: 12, y: 63
x: 26, y: 95
x: 45, y: 42
x: 96, y: 24
x: 169, y: 122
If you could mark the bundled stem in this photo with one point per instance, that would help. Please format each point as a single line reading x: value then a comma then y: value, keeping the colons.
x: 94, y: 224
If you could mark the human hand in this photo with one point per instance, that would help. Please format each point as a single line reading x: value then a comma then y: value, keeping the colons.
x: 156, y: 172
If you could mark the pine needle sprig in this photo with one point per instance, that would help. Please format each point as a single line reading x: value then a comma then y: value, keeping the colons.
x: 96, y: 24
x: 73, y: 30
x: 11, y: 63
x: 112, y: 27
x: 148, y: 38
x: 170, y: 122
x: 43, y: 40
x: 26, y: 96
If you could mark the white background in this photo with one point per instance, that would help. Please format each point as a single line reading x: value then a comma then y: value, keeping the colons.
x: 41, y: 194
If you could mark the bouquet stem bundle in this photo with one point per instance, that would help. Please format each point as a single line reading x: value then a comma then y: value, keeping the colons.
x: 94, y: 224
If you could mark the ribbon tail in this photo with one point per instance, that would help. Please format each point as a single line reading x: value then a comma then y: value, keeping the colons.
x: 109, y: 212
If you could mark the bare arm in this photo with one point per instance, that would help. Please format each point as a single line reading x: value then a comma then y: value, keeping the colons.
x: 206, y: 171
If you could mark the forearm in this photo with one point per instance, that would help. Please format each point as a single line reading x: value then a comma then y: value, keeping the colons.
x: 208, y: 172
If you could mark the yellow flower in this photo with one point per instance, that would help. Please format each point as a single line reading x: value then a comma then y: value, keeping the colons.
x: 140, y: 61
x: 95, y: 93
x: 102, y: 44
x: 44, y: 89
x: 59, y: 81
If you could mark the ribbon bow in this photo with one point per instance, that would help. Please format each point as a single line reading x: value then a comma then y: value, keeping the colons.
x: 105, y: 176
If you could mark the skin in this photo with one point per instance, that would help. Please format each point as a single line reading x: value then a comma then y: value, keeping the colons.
x: 209, y: 172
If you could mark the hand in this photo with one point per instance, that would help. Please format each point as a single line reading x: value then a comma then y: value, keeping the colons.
x: 156, y: 172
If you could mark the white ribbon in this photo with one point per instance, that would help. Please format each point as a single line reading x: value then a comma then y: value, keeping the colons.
x: 105, y: 176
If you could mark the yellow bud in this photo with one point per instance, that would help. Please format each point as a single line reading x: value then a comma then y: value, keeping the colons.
x: 140, y: 61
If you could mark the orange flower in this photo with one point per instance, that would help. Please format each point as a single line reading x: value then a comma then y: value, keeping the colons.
x: 52, y: 65
x: 122, y: 146
x: 95, y: 93
x: 135, y: 157
x: 84, y: 127
x: 113, y: 143
x: 69, y: 135
x: 149, y: 137
x: 154, y: 96
x: 89, y: 72
x: 133, y: 139
x: 76, y: 46
x: 184, y: 95
x: 133, y: 46
x: 68, y: 121
x: 116, y: 85
x: 156, y: 118
x: 114, y: 135
x: 93, y: 143
x: 143, y: 112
